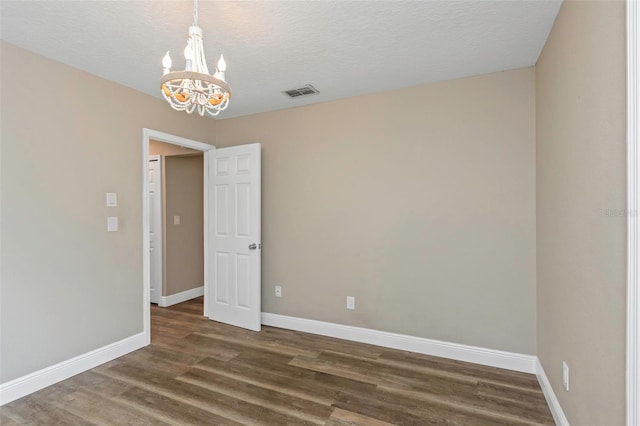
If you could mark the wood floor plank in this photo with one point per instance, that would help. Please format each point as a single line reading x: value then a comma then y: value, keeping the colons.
x: 268, y: 346
x: 294, y: 406
x: 529, y: 404
x: 396, y: 408
x: 333, y: 385
x: 294, y: 384
x: 318, y: 343
x: 38, y: 412
x: 468, y: 408
x: 195, y: 345
x: 370, y: 405
x: 158, y: 356
x: 196, y: 396
x: 96, y: 383
x: 165, y: 330
x: 105, y: 411
x: 170, y: 410
x: 414, y: 360
x: 196, y: 307
x: 314, y: 364
x: 200, y: 372
x: 172, y: 355
x: 158, y: 365
x: 394, y: 371
x: 391, y: 373
x: 7, y: 421
x: 341, y: 417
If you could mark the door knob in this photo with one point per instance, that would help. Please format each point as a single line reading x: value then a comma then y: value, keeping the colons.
x: 253, y: 246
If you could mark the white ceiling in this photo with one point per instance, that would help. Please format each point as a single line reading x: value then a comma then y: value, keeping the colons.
x: 344, y: 48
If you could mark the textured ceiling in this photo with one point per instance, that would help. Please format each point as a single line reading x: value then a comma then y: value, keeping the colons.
x: 343, y: 48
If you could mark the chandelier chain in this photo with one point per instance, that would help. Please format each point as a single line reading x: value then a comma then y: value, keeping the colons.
x: 195, y: 13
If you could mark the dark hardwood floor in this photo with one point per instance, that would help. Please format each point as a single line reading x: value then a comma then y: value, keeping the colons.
x: 199, y: 372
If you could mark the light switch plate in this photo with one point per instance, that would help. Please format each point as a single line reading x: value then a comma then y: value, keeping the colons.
x: 176, y: 220
x: 112, y: 199
x: 112, y: 223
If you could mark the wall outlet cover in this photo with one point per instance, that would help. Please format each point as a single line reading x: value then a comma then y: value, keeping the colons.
x: 112, y: 223
x: 351, y: 302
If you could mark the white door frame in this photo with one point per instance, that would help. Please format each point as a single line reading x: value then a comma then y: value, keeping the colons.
x: 148, y: 134
x: 633, y: 210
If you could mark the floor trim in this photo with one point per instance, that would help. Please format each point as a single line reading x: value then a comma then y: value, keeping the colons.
x: 183, y: 296
x: 25, y: 385
x: 478, y: 355
x: 550, y: 396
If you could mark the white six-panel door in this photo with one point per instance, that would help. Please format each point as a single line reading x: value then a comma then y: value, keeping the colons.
x: 234, y: 236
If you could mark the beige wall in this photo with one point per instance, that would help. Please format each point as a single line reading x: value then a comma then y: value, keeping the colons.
x: 418, y: 202
x: 184, y: 242
x: 68, y: 286
x: 581, y: 158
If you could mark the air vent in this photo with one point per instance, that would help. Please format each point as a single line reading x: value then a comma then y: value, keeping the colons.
x: 305, y: 90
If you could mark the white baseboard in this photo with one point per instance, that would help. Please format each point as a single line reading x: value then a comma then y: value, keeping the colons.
x: 22, y: 386
x: 478, y: 355
x: 550, y: 396
x: 183, y: 296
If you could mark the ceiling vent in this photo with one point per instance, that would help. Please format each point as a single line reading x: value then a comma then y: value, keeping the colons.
x: 305, y: 90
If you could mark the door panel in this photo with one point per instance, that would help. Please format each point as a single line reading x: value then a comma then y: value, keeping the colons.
x: 235, y: 240
x: 222, y: 278
x: 221, y: 201
x: 243, y: 268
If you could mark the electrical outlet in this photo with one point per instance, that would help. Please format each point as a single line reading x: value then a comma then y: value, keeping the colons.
x: 351, y: 302
x: 278, y: 291
x: 565, y: 375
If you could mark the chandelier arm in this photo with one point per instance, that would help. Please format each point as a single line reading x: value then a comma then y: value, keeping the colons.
x: 200, y: 60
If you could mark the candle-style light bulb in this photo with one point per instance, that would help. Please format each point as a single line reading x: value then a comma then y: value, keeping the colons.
x: 166, y: 62
x: 222, y: 65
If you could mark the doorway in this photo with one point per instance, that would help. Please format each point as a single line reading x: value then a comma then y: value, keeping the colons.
x: 149, y: 135
x: 176, y: 234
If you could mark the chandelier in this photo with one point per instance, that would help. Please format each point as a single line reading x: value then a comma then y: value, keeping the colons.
x: 194, y: 89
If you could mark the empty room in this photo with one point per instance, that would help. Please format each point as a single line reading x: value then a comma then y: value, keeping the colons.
x: 319, y: 212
